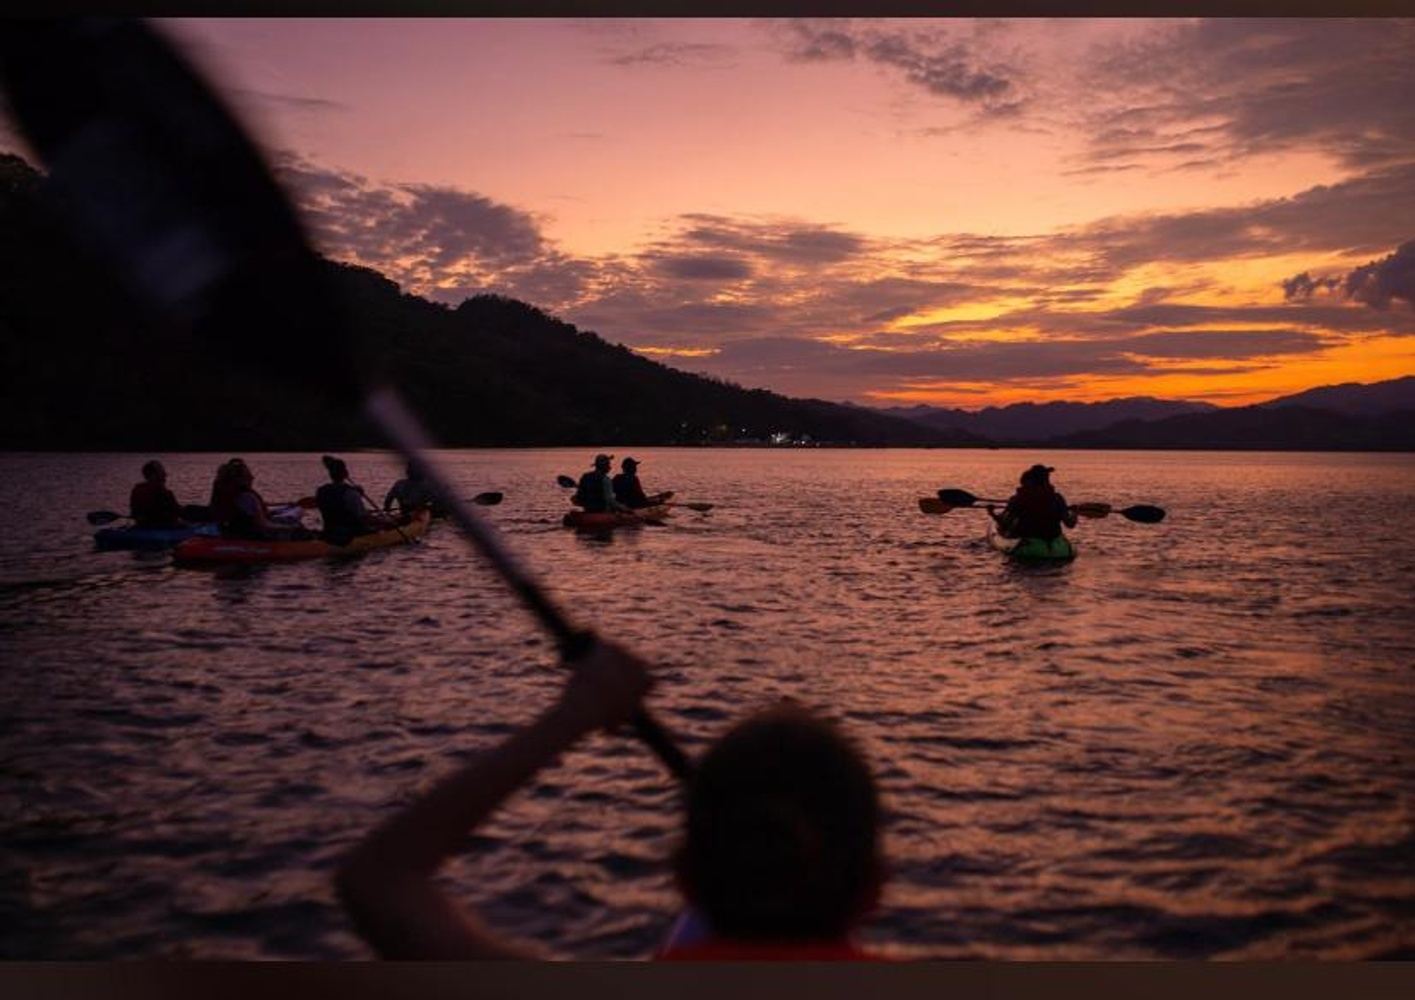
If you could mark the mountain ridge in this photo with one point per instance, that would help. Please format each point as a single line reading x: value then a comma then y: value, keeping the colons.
x: 80, y: 369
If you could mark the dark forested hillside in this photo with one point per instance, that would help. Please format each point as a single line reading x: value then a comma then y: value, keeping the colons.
x: 82, y: 370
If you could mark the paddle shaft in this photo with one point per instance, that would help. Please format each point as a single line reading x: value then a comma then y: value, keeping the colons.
x: 149, y: 160
x: 385, y: 408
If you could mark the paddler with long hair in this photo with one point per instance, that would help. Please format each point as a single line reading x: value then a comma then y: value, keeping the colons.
x: 779, y: 856
x: 241, y: 512
x: 1036, y: 509
x: 344, y: 507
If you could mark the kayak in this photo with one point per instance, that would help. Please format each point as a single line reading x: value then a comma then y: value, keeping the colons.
x: 1058, y: 549
x: 133, y: 537
x: 583, y: 520
x: 246, y: 551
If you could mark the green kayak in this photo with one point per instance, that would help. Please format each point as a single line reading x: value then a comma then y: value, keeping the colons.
x: 1058, y: 549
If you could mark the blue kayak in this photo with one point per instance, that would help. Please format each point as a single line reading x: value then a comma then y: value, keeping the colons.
x: 131, y: 537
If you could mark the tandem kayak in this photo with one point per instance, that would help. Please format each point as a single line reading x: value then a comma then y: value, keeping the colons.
x: 133, y: 537
x: 583, y: 520
x: 1058, y: 549
x: 245, y: 551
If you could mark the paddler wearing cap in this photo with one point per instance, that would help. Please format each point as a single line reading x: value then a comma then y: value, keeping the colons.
x: 595, y: 492
x: 630, y: 492
x: 1036, y: 510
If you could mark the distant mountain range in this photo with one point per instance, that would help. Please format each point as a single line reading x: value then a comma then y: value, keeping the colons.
x: 1356, y: 398
x: 1039, y: 421
x: 82, y: 368
x: 1378, y: 416
x: 1269, y: 427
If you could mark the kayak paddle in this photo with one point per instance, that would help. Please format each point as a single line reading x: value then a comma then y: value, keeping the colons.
x: 490, y: 499
x: 157, y: 176
x: 190, y: 512
x: 304, y: 503
x: 99, y: 517
x: 933, y: 505
x: 962, y: 498
x: 1141, y: 513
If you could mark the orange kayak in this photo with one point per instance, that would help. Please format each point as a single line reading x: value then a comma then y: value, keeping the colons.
x: 583, y: 520
x: 207, y: 551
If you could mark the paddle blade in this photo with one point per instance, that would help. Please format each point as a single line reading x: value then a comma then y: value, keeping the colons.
x: 566, y: 482
x: 101, y: 517
x: 957, y: 498
x: 154, y: 173
x: 933, y: 505
x: 701, y: 508
x: 1091, y: 509
x: 1143, y: 513
x: 487, y: 499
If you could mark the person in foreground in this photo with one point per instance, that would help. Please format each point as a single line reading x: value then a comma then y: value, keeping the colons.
x: 151, y: 503
x: 779, y: 856
x: 342, y: 506
x: 630, y: 492
x: 595, y: 492
x: 1036, y: 509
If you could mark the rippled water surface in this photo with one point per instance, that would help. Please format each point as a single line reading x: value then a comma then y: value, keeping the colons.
x: 1198, y: 740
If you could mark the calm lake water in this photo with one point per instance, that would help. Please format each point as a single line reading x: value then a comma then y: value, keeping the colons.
x: 1198, y: 740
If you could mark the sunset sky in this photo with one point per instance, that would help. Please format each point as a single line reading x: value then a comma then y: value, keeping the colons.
x: 957, y: 212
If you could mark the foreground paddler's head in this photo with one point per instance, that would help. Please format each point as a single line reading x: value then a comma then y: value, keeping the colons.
x: 154, y: 472
x: 630, y: 464
x: 603, y: 462
x: 338, y: 471
x: 781, y: 838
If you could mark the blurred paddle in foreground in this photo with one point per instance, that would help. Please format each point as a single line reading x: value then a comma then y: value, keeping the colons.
x: 157, y: 177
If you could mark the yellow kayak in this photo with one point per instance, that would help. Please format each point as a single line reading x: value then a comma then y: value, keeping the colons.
x: 205, y: 551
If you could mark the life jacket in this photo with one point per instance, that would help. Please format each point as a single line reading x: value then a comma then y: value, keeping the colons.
x: 719, y: 950
x: 341, y: 508
x: 590, y: 493
x: 235, y: 522
x: 223, y: 497
x: 629, y: 491
x: 153, y: 506
x: 1035, y: 511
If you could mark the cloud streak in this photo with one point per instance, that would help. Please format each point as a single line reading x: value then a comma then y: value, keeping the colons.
x: 1227, y: 88
x: 815, y: 308
x: 930, y: 59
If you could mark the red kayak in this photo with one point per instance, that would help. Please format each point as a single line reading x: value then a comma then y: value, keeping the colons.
x: 583, y: 520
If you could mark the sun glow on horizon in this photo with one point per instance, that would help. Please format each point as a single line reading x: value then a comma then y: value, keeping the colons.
x: 825, y: 220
